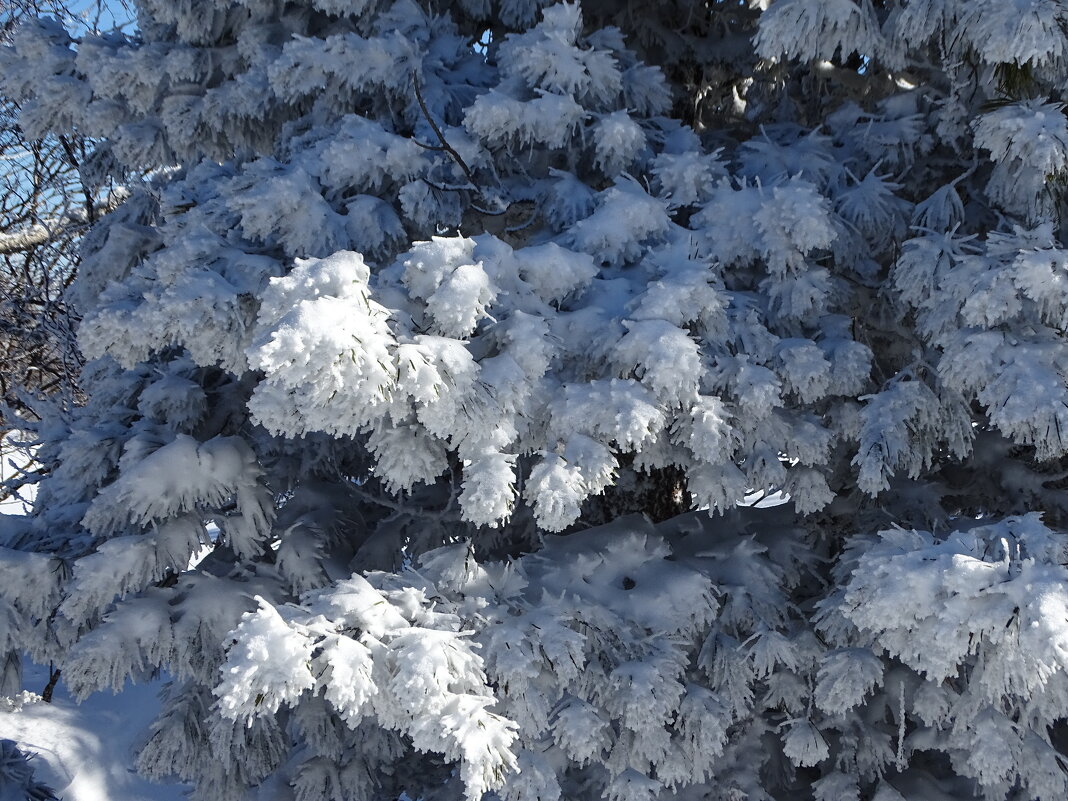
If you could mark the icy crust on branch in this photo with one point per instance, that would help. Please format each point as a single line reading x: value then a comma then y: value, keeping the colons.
x: 668, y: 659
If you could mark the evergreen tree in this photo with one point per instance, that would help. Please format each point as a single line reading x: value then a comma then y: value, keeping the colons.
x: 431, y: 320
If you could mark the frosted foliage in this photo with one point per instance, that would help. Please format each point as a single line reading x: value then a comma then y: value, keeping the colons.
x: 620, y: 409
x: 210, y: 319
x: 287, y: 205
x: 685, y: 178
x: 489, y: 488
x: 595, y: 461
x: 790, y: 220
x: 708, y: 432
x: 382, y: 654
x: 548, y: 58
x: 406, y: 455
x: 549, y: 120
x: 619, y: 141
x: 814, y: 29
x: 548, y: 400
x: 1027, y: 31
x: 19, y: 774
x: 890, y: 420
x: 1028, y: 143
x: 1011, y: 647
x: 845, y: 678
x: 960, y: 567
x: 625, y: 217
x: 666, y: 360
x: 267, y: 667
x: 804, y: 745
x: 617, y: 707
x: 302, y: 355
x: 183, y: 476
x: 554, y: 272
x: 456, y: 292
x: 556, y: 490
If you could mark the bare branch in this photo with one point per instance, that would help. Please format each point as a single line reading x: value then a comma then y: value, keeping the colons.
x: 441, y: 137
x: 48, y: 230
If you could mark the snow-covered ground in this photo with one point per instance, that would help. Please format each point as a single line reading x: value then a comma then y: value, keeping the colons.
x: 85, y: 751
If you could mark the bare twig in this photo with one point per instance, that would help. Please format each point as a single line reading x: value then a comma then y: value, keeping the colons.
x: 441, y: 137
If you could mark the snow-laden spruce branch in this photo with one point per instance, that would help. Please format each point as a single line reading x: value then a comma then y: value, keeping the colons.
x: 338, y: 407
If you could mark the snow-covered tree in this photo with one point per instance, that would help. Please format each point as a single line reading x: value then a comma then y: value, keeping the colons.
x: 430, y: 321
